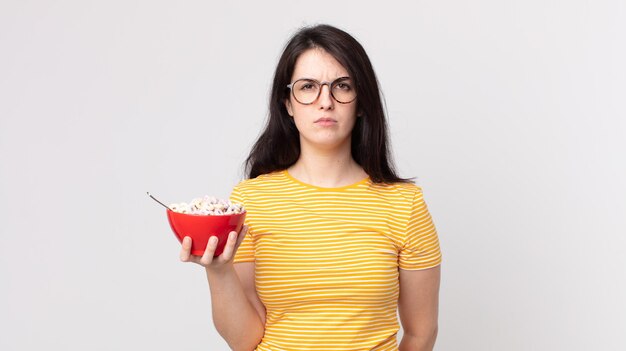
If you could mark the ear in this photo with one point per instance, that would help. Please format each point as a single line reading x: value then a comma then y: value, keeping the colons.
x: 288, y: 106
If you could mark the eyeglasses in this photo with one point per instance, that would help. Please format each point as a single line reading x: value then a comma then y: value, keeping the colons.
x: 307, y: 91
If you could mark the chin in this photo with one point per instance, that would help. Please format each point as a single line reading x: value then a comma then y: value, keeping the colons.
x: 325, y: 143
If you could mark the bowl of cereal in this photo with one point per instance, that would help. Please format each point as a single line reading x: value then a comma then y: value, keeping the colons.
x: 203, y: 218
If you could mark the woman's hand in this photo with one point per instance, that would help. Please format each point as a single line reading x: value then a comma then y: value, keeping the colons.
x: 207, y: 260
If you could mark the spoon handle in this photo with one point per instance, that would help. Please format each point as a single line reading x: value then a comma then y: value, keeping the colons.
x: 154, y: 198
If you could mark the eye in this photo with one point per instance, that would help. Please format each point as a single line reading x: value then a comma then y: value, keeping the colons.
x: 306, y: 85
x: 343, y: 86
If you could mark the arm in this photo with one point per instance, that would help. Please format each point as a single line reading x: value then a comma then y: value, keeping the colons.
x: 418, y: 307
x: 245, y: 271
x: 235, y: 316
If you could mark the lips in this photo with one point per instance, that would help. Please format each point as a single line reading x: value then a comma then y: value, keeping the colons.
x: 325, y: 120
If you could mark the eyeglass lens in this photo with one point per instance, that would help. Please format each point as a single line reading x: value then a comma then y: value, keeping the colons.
x: 306, y: 91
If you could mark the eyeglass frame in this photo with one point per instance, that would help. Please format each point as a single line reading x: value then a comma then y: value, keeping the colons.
x: 319, y: 92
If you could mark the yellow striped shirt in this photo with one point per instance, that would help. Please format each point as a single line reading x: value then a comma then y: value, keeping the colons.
x: 327, y: 259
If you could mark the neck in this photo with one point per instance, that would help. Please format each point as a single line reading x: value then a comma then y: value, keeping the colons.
x: 327, y: 168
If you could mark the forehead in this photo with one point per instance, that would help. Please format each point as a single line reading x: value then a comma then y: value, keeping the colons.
x: 318, y: 64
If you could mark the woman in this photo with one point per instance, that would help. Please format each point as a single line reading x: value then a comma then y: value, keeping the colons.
x: 335, y: 243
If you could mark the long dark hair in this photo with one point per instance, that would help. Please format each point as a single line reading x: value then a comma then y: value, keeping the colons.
x: 278, y: 147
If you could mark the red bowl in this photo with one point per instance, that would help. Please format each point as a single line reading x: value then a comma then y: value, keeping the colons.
x: 201, y: 227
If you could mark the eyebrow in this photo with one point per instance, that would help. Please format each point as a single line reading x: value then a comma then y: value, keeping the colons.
x: 343, y: 77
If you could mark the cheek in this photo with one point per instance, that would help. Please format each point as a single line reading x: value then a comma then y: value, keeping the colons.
x: 351, y: 114
x: 299, y: 120
x: 353, y: 123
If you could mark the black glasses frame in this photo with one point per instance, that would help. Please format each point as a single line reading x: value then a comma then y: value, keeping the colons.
x: 321, y: 84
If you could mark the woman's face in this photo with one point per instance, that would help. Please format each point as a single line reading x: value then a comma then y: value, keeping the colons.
x: 325, y: 123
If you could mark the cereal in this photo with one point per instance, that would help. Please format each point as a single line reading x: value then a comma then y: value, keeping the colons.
x: 208, y: 206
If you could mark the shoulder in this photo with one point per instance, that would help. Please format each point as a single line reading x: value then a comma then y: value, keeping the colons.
x: 400, y: 190
x: 261, y: 182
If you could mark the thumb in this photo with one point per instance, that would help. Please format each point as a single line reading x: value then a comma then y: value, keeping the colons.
x: 242, y: 235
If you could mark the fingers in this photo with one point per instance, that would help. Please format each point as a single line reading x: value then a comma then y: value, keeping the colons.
x: 229, y: 248
x: 185, y: 251
x: 207, y: 257
x: 233, y: 241
x: 232, y: 244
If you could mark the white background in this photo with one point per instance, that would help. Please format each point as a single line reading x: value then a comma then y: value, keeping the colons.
x: 510, y: 113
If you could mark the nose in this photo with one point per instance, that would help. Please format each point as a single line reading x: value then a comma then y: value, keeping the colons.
x: 325, y: 99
